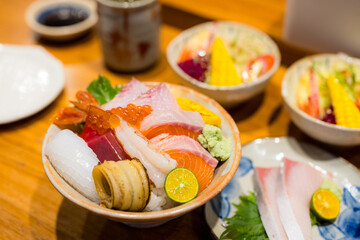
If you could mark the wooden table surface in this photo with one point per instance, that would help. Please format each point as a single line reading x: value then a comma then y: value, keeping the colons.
x: 31, y: 208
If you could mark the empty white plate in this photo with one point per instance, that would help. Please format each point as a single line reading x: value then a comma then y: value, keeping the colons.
x: 30, y: 79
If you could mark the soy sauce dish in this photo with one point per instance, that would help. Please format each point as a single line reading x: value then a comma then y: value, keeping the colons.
x: 61, y: 19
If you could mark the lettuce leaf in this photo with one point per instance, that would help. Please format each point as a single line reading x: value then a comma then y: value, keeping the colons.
x: 102, y: 90
x: 246, y: 223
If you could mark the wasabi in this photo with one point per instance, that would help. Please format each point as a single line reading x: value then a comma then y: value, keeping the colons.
x: 332, y: 187
x: 213, y: 140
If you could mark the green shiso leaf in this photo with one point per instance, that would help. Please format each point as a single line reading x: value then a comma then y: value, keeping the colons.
x: 246, y: 223
x: 102, y: 90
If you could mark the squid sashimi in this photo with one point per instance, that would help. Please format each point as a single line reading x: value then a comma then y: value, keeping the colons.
x: 74, y: 161
x: 266, y: 187
x: 189, y: 154
x: 136, y: 146
x: 174, y: 122
x: 298, y: 182
x: 158, y: 98
x: 129, y: 93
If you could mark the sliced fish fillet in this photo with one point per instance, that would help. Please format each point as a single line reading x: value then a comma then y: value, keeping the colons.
x: 129, y: 93
x: 266, y: 187
x: 137, y: 146
x: 158, y: 98
x: 174, y: 122
x: 298, y: 182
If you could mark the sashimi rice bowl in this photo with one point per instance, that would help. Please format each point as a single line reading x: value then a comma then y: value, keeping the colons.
x: 141, y: 153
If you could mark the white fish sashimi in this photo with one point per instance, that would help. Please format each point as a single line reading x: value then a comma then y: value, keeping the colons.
x: 136, y: 146
x: 129, y: 93
x: 298, y: 182
x: 74, y: 161
x: 158, y: 98
x: 266, y: 187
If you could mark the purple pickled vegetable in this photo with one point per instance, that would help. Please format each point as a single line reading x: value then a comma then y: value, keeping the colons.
x: 329, y: 116
x: 196, y: 68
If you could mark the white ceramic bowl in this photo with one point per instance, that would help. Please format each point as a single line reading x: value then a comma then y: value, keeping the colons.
x: 223, y: 173
x: 317, y: 129
x: 226, y: 96
x: 39, y: 9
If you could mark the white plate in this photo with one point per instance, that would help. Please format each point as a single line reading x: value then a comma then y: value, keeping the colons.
x: 31, y: 78
x: 269, y: 152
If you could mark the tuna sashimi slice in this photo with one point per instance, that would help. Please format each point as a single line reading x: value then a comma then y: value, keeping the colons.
x: 136, y: 146
x: 299, y: 182
x: 129, y: 93
x: 266, y: 187
x: 189, y: 154
x: 174, y: 122
x: 158, y: 98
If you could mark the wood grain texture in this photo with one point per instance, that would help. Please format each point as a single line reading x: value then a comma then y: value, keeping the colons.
x: 30, y: 208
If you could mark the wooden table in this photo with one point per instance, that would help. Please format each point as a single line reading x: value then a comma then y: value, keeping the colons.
x: 30, y: 207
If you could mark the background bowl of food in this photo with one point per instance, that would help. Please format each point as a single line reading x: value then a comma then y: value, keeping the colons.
x: 153, y: 206
x: 322, y: 95
x: 227, y: 61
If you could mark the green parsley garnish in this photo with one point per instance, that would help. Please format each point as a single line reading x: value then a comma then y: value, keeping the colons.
x: 102, y: 90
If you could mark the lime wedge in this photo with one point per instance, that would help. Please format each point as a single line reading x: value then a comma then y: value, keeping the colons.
x: 181, y: 185
x: 325, y: 205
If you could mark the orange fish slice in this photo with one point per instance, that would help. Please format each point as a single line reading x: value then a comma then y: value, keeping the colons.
x: 203, y: 171
x: 171, y: 130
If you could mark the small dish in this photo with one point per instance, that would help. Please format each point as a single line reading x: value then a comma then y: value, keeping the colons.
x: 31, y: 79
x: 268, y: 152
x: 61, y: 19
x: 222, y: 175
x: 315, y: 128
x: 261, y: 44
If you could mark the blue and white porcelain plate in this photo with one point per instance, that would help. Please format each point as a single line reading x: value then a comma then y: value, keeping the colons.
x: 267, y: 152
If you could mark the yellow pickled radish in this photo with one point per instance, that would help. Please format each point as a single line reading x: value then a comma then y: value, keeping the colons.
x: 208, y: 116
x: 222, y: 71
x: 181, y: 185
x: 345, y: 111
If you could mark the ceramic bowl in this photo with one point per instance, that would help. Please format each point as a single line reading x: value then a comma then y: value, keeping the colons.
x: 222, y: 176
x: 247, y: 35
x: 42, y: 17
x: 317, y: 129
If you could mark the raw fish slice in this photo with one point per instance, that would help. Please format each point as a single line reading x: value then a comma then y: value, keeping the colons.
x: 174, y: 122
x: 203, y: 171
x: 266, y: 186
x: 189, y: 154
x: 74, y: 161
x: 186, y: 144
x: 158, y: 98
x: 129, y: 93
x: 298, y: 182
x: 136, y: 146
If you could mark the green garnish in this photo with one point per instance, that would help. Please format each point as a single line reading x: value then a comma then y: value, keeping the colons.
x: 102, y: 90
x: 246, y: 223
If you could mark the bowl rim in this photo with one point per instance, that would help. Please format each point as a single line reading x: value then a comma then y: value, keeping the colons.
x: 170, y: 213
x: 285, y: 95
x: 172, y: 62
x: 35, y: 8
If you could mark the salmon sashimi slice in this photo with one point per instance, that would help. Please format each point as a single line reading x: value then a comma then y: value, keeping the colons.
x: 129, y: 93
x: 158, y: 98
x: 298, y: 182
x: 157, y: 164
x: 184, y: 144
x: 174, y: 122
x: 203, y: 171
x: 266, y: 187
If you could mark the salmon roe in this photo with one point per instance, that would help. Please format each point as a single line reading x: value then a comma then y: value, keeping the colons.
x: 99, y: 119
x: 133, y: 114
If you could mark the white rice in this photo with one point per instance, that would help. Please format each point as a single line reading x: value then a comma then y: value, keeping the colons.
x: 159, y: 200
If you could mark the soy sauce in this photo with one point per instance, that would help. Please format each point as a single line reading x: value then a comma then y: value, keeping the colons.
x: 62, y: 16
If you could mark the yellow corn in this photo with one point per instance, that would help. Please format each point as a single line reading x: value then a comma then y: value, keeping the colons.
x: 208, y: 116
x: 223, y: 71
x: 345, y: 111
